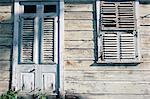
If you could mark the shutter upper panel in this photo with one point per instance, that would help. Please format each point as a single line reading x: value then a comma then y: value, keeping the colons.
x: 47, y: 55
x: 108, y: 15
x: 117, y: 15
x: 126, y: 18
x: 127, y: 46
x: 27, y: 40
x: 109, y: 46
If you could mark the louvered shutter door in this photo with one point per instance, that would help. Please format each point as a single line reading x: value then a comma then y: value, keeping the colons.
x: 27, y: 40
x: 48, y: 41
x: 110, y: 41
x: 127, y: 46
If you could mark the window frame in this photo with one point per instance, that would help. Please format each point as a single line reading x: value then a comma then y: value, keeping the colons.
x: 99, y: 44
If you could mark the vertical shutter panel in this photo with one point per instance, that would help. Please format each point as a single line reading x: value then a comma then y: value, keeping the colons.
x: 110, y: 46
x: 48, y: 41
x: 27, y: 40
x: 126, y: 17
x: 108, y: 15
x: 127, y: 46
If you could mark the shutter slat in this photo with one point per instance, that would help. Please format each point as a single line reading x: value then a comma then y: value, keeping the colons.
x: 48, y: 40
x: 27, y: 40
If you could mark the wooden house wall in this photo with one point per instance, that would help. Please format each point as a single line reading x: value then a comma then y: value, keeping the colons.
x: 81, y: 77
x: 89, y: 81
x: 6, y: 35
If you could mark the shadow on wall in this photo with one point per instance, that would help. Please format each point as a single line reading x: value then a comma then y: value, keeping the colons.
x: 6, y: 38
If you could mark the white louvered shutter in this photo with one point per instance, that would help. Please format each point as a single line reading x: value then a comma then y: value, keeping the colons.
x: 118, y: 30
x: 47, y: 54
x: 126, y: 15
x: 127, y: 46
x: 27, y: 40
x: 110, y: 41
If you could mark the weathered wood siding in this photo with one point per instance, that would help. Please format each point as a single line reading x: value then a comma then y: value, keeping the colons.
x: 83, y: 78
x: 6, y: 35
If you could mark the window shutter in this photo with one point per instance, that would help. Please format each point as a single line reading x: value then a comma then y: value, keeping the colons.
x: 48, y: 40
x: 126, y: 17
x: 110, y: 46
x: 27, y: 40
x: 118, y: 46
x: 108, y: 15
x: 117, y: 15
x: 127, y: 45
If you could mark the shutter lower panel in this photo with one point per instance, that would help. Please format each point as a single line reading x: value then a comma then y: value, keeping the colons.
x: 118, y: 46
x: 48, y: 41
x: 27, y: 40
x: 109, y: 46
x: 127, y: 46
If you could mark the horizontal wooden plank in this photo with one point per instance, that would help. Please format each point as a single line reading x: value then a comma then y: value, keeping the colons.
x: 5, y: 1
x: 145, y: 21
x: 6, y: 35
x: 144, y: 9
x: 109, y: 96
x: 5, y: 41
x: 5, y: 54
x: 78, y: 53
x: 5, y: 75
x: 4, y: 86
x: 6, y: 18
x: 5, y: 65
x: 79, y: 35
x: 98, y: 87
x: 6, y: 28
x: 77, y: 65
x: 133, y: 76
x: 78, y: 7
x: 79, y: 1
x: 79, y: 44
x: 79, y: 25
x: 78, y: 15
x: 6, y: 7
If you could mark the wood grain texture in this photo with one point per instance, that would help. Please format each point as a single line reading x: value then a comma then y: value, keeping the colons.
x: 97, y: 87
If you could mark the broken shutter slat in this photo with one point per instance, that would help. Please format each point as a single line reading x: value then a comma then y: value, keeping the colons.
x: 27, y: 40
x: 108, y: 15
x: 47, y: 54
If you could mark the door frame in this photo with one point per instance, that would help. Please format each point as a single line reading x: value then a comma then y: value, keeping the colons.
x: 60, y: 69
